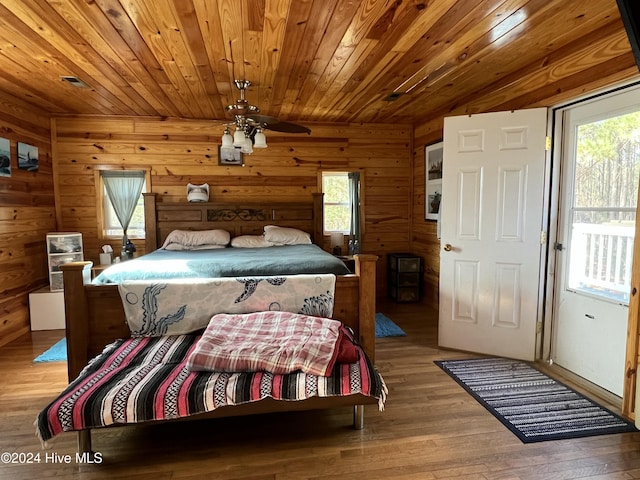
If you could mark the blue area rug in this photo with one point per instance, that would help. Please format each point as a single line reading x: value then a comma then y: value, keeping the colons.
x: 532, y: 405
x: 386, y: 328
x: 57, y: 353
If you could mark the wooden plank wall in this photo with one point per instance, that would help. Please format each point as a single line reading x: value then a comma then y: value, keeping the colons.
x: 180, y: 151
x: 27, y: 214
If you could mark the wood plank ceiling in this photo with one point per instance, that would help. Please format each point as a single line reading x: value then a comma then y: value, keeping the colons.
x: 309, y: 60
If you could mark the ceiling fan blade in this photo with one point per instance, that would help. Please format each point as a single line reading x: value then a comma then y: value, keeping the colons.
x: 272, y: 123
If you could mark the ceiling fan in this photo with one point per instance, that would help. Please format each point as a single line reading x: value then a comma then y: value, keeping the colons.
x: 250, y: 124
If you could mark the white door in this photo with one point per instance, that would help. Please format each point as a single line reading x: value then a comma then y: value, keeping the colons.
x: 491, y: 227
x: 600, y: 165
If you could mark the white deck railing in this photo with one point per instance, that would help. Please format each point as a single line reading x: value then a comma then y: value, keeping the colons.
x: 601, y: 257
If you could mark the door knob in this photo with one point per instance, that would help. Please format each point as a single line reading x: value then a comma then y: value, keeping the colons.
x: 448, y: 247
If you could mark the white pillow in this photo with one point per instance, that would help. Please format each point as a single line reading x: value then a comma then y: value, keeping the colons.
x: 250, y: 241
x: 179, y: 246
x: 195, y: 238
x: 285, y: 236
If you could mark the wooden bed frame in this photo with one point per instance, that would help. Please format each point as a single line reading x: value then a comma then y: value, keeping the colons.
x: 95, y: 316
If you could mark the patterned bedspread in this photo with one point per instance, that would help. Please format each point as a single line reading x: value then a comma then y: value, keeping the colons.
x: 143, y: 379
x: 179, y: 306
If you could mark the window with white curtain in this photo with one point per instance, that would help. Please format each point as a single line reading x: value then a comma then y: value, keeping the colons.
x: 111, y: 225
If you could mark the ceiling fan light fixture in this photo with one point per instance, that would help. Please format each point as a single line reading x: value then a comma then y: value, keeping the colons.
x: 247, y: 146
x: 227, y: 139
x: 250, y: 126
x: 238, y: 137
x: 260, y: 139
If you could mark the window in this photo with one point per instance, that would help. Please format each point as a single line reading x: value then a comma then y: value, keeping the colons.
x: 109, y: 223
x: 337, y: 211
x: 112, y: 226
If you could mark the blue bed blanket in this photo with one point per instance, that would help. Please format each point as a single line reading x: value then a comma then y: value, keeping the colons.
x: 224, y: 262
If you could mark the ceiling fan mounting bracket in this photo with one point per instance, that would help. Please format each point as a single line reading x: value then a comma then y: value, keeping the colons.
x: 246, y: 115
x: 242, y: 85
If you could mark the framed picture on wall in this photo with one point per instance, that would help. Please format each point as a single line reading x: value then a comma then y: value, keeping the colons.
x: 433, y: 180
x: 27, y: 157
x: 230, y: 156
x: 5, y: 157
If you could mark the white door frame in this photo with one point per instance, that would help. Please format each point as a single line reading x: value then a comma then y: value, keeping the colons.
x: 552, y: 198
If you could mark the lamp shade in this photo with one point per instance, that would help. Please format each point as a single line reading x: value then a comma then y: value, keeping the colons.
x: 227, y: 139
x: 337, y: 242
x: 238, y: 138
x: 260, y: 139
x: 247, y: 146
x: 337, y: 239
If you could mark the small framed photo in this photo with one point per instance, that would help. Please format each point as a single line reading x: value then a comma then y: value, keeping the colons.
x: 230, y: 157
x: 433, y: 156
x: 5, y: 157
x: 27, y: 157
x: 434, y: 197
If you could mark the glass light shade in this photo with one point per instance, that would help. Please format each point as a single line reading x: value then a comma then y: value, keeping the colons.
x: 238, y: 138
x: 227, y: 139
x: 246, y: 146
x: 260, y: 140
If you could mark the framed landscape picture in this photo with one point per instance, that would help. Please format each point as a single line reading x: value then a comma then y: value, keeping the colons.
x: 433, y: 180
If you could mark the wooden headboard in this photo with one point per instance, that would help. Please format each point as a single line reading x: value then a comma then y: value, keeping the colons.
x: 238, y: 218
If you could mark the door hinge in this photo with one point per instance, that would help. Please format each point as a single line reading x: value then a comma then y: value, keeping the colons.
x: 547, y: 145
x: 543, y: 238
x: 539, y: 327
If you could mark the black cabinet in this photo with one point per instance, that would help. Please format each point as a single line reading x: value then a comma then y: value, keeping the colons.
x: 405, y: 276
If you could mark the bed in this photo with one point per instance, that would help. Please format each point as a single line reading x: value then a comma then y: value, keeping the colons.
x: 225, y: 262
x: 95, y: 315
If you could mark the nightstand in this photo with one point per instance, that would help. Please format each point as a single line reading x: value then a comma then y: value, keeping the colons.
x: 404, y: 277
x: 46, y: 309
x: 98, y: 269
x: 349, y: 261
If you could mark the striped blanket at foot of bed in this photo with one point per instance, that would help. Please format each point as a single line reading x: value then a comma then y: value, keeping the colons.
x: 144, y: 379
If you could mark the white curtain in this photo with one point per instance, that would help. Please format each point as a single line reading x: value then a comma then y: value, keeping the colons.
x: 123, y: 189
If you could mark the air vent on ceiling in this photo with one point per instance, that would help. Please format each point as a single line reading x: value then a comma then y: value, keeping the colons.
x: 75, y: 81
x: 392, y: 97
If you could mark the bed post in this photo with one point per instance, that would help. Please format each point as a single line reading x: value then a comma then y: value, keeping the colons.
x: 358, y: 417
x: 84, y: 441
x: 150, y: 222
x: 75, y: 276
x: 366, y: 270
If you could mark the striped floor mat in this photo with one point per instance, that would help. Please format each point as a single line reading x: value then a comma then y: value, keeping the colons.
x: 532, y: 405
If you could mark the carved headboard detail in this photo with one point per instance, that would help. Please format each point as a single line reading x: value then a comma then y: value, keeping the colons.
x: 229, y: 215
x: 237, y: 218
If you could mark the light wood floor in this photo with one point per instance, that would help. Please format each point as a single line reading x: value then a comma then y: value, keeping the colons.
x: 430, y: 429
